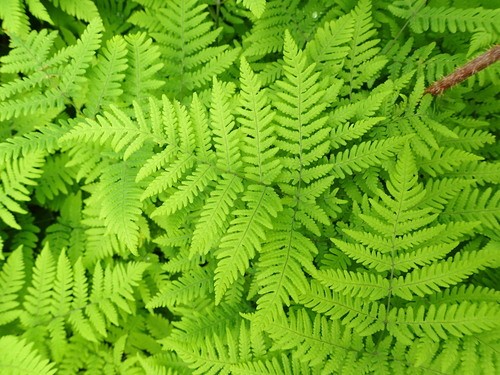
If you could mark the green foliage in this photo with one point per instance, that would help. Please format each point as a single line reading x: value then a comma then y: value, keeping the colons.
x: 247, y: 187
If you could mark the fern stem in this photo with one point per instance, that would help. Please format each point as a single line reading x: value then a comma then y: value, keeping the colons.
x: 462, y: 73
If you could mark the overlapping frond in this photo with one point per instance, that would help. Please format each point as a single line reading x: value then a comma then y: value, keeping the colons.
x: 187, y: 40
x: 441, y: 19
x: 20, y: 357
x: 60, y: 294
x: 60, y: 79
x: 16, y: 177
x: 168, y: 206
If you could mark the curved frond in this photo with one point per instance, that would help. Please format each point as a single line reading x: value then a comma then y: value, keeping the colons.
x: 18, y: 357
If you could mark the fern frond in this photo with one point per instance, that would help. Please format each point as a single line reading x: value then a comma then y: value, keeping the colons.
x: 363, y: 61
x: 441, y: 19
x: 28, y: 54
x: 141, y: 77
x: 82, y: 54
x: 256, y: 120
x: 268, y: 31
x: 55, y: 180
x: 193, y: 185
x: 363, y: 155
x: 465, y: 293
x: 11, y: 282
x: 187, y: 41
x: 18, y: 357
x: 226, y: 135
x: 208, y: 346
x: 430, y: 279
x: 446, y: 159
x: 355, y: 284
x: 244, y: 237
x: 105, y: 76
x: 118, y: 129
x: 215, y: 214
x: 475, y: 204
x: 481, y: 172
x: 364, y: 317
x: 329, y: 47
x: 37, y: 303
x: 15, y: 19
x: 85, y: 10
x: 257, y: 7
x: 280, y: 273
x: 319, y: 342
x: 439, y: 323
x: 61, y: 80
x: 43, y: 139
x: 118, y: 197
x: 191, y: 286
x: 16, y: 177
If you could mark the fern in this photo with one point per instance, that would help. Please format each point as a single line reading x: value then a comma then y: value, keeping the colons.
x: 247, y: 187
x: 193, y: 62
x: 440, y: 19
x: 20, y: 358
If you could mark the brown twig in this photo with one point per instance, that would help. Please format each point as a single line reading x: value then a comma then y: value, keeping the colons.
x: 465, y: 71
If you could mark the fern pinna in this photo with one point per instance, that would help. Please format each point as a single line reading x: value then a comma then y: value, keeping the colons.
x: 247, y: 187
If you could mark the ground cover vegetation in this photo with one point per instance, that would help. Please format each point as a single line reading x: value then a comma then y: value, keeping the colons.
x: 248, y: 187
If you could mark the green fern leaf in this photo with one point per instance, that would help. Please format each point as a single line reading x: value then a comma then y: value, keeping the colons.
x: 215, y: 214
x: 441, y: 19
x: 18, y: 357
x: 364, y: 155
x: 11, y: 283
x: 256, y: 120
x: 141, y: 77
x: 28, y: 54
x: 429, y: 279
x: 16, y: 177
x: 257, y: 7
x: 329, y: 47
x: 118, y: 129
x: 118, y: 197
x: 441, y: 322
x: 363, y: 61
x: 15, y: 20
x: 364, y: 317
x: 37, y: 303
x: 105, y: 76
x: 245, y: 234
x: 84, y: 10
x: 185, y: 290
x: 192, y: 63
x: 226, y: 135
x: 355, y: 284
x: 474, y: 204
